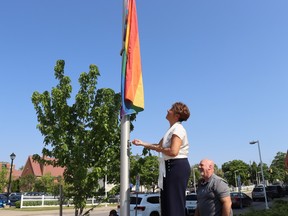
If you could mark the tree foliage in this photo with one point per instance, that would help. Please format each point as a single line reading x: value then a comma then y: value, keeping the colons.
x: 27, y: 183
x: 147, y: 168
x: 277, y: 168
x: 82, y: 136
x: 45, y: 184
x: 3, y: 178
x: 233, y: 169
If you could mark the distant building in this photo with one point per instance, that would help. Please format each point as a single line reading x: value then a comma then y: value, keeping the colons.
x: 14, y: 176
x: 15, y: 173
x: 38, y: 170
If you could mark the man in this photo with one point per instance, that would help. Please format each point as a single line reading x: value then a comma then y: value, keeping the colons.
x: 213, y: 193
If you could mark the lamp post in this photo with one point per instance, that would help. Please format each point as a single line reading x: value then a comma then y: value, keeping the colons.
x: 261, y: 165
x: 105, y: 187
x: 12, y: 157
x: 194, y: 180
x: 105, y: 183
x: 235, y: 178
x: 59, y: 178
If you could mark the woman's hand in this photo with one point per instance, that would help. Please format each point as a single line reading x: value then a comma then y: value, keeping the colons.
x: 138, y: 142
x: 155, y: 147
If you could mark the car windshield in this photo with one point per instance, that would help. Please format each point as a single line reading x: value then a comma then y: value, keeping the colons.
x: 237, y: 195
x: 260, y: 189
x: 234, y: 194
x: 191, y: 197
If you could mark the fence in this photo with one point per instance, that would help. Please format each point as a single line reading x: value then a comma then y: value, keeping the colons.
x: 50, y: 201
x: 243, y: 188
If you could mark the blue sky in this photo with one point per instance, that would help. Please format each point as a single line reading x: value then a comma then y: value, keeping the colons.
x: 227, y: 60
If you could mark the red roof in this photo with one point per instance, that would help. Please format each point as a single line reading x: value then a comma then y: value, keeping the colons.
x: 38, y: 170
x: 16, y: 174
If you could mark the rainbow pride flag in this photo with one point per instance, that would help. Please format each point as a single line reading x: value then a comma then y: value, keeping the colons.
x: 131, y: 78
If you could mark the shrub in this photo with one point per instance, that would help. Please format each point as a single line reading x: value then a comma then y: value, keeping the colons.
x: 279, y: 208
x: 17, y: 204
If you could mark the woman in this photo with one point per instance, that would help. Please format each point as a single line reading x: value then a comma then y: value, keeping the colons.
x: 174, y: 168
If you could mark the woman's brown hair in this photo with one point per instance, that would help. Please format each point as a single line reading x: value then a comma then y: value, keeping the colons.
x: 181, y: 109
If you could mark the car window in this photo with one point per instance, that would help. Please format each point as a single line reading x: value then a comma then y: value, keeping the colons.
x: 274, y: 188
x: 236, y: 195
x: 3, y: 197
x: 133, y: 200
x: 258, y: 189
x: 153, y: 199
x: 191, y: 197
x: 271, y: 188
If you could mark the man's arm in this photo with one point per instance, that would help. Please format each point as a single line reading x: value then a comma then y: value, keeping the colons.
x: 226, y: 205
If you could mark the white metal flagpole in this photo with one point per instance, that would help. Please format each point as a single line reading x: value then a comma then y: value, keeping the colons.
x: 124, y: 169
x: 124, y: 157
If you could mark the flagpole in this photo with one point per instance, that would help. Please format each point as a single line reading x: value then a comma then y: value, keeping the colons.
x: 124, y: 153
x: 124, y: 169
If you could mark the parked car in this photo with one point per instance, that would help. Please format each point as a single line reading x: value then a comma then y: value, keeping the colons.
x: 13, y: 199
x: 240, y: 200
x: 275, y: 191
x: 286, y: 189
x: 191, y: 203
x: 3, y: 200
x: 144, y: 204
x: 15, y: 193
x: 258, y: 194
x: 2, y: 204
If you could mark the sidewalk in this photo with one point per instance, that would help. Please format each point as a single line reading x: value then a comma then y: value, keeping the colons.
x: 98, y: 211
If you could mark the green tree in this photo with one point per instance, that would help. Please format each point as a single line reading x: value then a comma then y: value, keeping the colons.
x: 45, y: 184
x: 254, y: 173
x: 15, y: 185
x: 3, y: 178
x: 194, y: 174
x: 277, y: 168
x: 27, y: 183
x: 150, y: 172
x: 233, y: 169
x: 148, y: 169
x: 83, y: 136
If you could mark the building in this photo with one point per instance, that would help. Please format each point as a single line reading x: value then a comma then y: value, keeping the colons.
x: 38, y: 170
x: 15, y: 173
x: 14, y: 176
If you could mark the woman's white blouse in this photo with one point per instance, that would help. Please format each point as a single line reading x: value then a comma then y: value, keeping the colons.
x: 178, y: 130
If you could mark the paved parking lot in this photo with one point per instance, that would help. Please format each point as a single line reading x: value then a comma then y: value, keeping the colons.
x: 100, y: 211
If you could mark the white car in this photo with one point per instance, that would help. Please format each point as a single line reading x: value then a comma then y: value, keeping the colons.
x: 191, y: 203
x: 144, y: 205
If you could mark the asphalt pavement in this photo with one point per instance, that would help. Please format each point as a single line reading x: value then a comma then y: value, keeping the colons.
x: 99, y: 211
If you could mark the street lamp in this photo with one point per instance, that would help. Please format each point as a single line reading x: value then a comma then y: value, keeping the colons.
x: 261, y: 165
x: 12, y: 157
x: 194, y: 180
x: 105, y: 186
x: 235, y: 178
x: 105, y: 183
